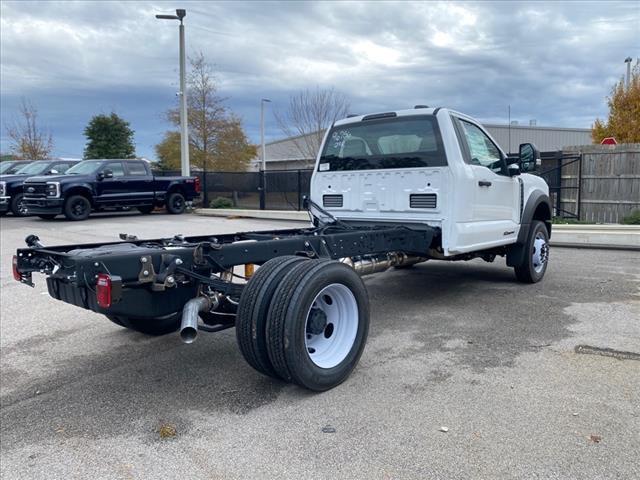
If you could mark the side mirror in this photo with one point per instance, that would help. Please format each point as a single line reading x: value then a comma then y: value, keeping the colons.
x: 105, y: 174
x: 513, y: 169
x: 529, y: 157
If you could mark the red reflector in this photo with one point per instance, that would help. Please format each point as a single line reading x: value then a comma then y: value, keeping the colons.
x: 14, y: 267
x: 103, y: 290
x: 197, y: 185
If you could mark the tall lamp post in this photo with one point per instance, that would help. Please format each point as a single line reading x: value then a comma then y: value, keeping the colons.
x: 263, y: 191
x: 628, y: 61
x: 184, y: 129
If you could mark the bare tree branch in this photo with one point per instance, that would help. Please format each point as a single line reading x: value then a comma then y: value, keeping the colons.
x: 28, y: 140
x: 308, y: 115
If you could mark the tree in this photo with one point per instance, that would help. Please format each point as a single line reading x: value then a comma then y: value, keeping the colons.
x: 109, y: 136
x: 623, y: 122
x: 28, y: 141
x: 216, y: 138
x: 308, y: 115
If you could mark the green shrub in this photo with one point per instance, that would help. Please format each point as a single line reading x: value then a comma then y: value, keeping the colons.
x: 633, y: 218
x: 221, y: 202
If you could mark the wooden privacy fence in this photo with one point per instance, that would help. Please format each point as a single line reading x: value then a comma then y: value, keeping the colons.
x: 604, y: 186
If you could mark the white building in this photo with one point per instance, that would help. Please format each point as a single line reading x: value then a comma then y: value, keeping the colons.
x: 285, y: 155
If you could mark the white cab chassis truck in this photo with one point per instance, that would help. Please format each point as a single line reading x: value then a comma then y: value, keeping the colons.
x: 388, y: 190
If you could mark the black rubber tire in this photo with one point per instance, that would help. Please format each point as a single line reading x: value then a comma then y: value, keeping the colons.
x: 251, y: 318
x: 77, y: 208
x: 154, y: 326
x: 16, y: 207
x: 146, y: 209
x: 47, y: 216
x: 176, y: 204
x: 525, y: 272
x: 286, y: 322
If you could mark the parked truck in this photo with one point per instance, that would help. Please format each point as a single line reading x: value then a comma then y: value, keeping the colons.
x: 100, y: 185
x: 12, y: 182
x: 388, y: 190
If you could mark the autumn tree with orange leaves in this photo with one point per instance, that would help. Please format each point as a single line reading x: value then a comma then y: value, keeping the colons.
x: 624, y: 112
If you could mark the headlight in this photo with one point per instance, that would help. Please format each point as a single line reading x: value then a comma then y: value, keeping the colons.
x: 53, y: 189
x: 3, y: 188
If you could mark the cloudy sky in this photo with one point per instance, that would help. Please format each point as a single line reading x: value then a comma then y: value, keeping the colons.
x: 552, y: 61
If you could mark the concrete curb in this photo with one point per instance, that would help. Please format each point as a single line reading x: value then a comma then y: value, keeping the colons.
x: 625, y: 237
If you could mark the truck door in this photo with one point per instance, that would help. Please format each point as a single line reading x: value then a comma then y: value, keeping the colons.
x: 112, y: 191
x: 494, y: 213
x: 141, y: 185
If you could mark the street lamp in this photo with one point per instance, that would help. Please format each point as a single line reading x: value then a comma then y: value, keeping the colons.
x: 628, y: 61
x: 263, y: 192
x: 184, y: 129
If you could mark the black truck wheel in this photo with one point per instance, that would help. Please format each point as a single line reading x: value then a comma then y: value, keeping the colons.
x: 17, y: 206
x: 317, y: 324
x: 536, y: 256
x: 176, y: 203
x: 252, y: 312
x: 149, y: 326
x: 77, y: 207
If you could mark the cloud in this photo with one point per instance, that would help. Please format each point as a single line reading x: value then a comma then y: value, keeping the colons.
x: 553, y: 61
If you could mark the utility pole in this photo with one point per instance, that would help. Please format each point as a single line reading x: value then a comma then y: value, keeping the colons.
x: 628, y: 61
x: 184, y: 127
x: 263, y: 190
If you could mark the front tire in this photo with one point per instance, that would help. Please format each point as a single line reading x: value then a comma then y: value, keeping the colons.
x: 176, y: 203
x: 77, y: 208
x: 317, y: 324
x: 536, y: 255
x: 17, y: 206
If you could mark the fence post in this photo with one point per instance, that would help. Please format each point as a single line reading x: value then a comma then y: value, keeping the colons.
x: 579, y: 186
x: 205, y: 188
x: 263, y: 188
x: 299, y: 189
x: 559, y: 155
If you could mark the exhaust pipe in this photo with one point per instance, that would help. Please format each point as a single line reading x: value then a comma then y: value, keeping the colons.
x: 380, y: 263
x: 189, y: 326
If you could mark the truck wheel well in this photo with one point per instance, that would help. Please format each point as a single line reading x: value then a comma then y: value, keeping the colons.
x: 543, y: 213
x: 175, y: 189
x: 79, y: 191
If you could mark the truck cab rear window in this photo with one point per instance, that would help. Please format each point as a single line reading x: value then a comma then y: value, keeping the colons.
x: 405, y: 142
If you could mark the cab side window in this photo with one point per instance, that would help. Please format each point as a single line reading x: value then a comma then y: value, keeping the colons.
x: 60, y: 167
x: 481, y: 148
x: 136, y: 168
x: 115, y: 167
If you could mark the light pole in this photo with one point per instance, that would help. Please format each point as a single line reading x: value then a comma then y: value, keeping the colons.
x: 263, y: 192
x: 628, y: 61
x: 184, y: 129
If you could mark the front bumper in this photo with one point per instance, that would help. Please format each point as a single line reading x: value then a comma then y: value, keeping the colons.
x: 43, y: 206
x: 4, y: 204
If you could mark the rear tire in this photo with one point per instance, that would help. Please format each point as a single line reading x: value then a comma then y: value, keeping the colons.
x: 17, y: 206
x: 536, y: 256
x: 317, y: 324
x: 251, y: 318
x: 149, y: 326
x: 176, y: 204
x: 77, y: 208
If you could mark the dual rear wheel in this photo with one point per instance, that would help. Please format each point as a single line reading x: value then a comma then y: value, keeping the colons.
x: 303, y: 321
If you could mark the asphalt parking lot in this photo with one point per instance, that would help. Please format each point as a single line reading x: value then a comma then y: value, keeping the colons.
x: 457, y: 345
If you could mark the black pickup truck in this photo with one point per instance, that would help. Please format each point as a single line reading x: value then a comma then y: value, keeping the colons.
x: 11, y: 183
x: 99, y: 185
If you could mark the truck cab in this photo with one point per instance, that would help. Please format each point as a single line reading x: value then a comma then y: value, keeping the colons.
x: 431, y: 167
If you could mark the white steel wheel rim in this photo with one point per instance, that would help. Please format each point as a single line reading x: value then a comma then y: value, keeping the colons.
x: 329, y: 348
x: 540, y: 252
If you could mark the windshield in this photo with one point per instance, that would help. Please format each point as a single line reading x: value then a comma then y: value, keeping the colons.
x: 6, y: 166
x: 398, y: 142
x: 35, y: 168
x: 84, y: 168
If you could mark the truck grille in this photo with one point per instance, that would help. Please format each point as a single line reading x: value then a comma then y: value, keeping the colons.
x: 423, y: 200
x: 35, y: 189
x: 334, y: 201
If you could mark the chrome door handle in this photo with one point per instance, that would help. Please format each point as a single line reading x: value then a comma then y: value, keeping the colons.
x: 484, y: 183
